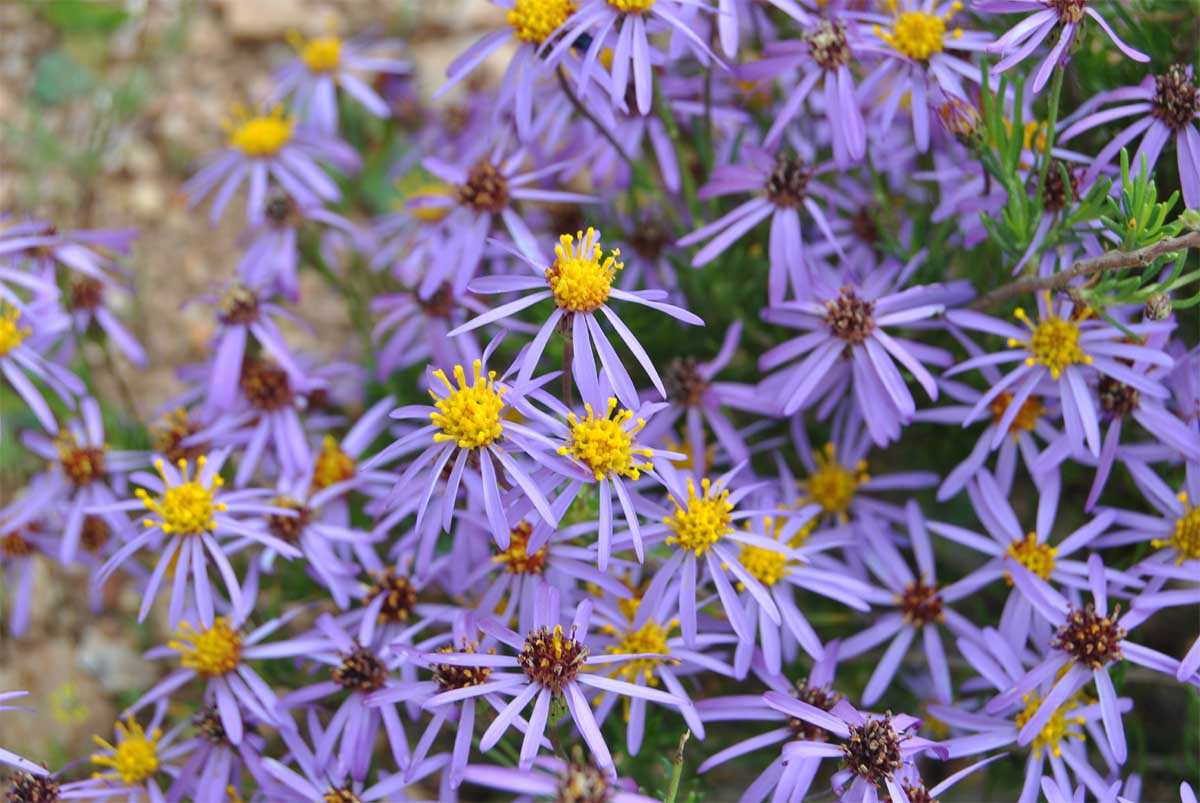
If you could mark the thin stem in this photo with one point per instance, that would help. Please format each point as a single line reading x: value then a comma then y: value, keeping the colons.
x: 586, y: 113
x: 677, y: 769
x: 1112, y: 260
x: 1051, y: 121
x: 687, y: 180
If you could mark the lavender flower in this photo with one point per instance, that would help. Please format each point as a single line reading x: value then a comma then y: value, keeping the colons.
x: 132, y: 762
x: 1175, y: 531
x: 26, y: 331
x: 555, y: 779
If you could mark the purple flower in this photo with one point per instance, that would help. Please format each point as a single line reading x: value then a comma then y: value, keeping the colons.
x: 552, y: 664
x: 1154, y: 601
x: 1166, y: 107
x: 326, y: 63
x: 89, y: 252
x: 131, y: 762
x: 554, y: 779
x: 413, y: 329
x: 188, y: 514
x: 270, y: 260
x: 269, y: 145
x: 1063, y: 17
x: 1175, y: 531
x: 1067, y: 349
x: 783, y: 184
x: 26, y: 332
x: 87, y: 302
x: 580, y: 283
x: 214, y: 763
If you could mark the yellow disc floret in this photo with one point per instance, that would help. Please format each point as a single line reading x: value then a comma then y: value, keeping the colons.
x: 1026, y: 417
x: 517, y: 559
x: 918, y: 34
x: 470, y: 415
x: 832, y: 485
x: 211, y: 652
x: 1058, y: 728
x: 322, y: 54
x: 702, y: 520
x: 1054, y: 342
x: 580, y: 278
x: 187, y: 508
x: 632, y: 6
x: 11, y: 334
x: 1037, y: 558
x: 766, y: 565
x: 604, y: 445
x: 135, y: 756
x: 649, y: 638
x: 332, y: 465
x: 260, y: 135
x: 1186, y: 537
x: 533, y: 21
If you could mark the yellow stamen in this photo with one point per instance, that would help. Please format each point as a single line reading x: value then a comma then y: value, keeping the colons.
x: 1054, y: 342
x: 533, y: 21
x: 918, y: 34
x: 259, y: 136
x: 649, y: 638
x: 1037, y: 558
x: 1057, y: 728
x: 604, y: 445
x: 704, y: 520
x: 211, y: 652
x: 470, y: 415
x: 517, y: 559
x: 135, y: 756
x: 11, y: 335
x: 187, y: 508
x: 832, y: 485
x: 632, y: 6
x: 1186, y: 537
x: 580, y: 278
x: 321, y: 54
x: 332, y: 465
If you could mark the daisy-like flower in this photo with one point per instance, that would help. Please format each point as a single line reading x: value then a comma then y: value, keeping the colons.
x: 132, y: 763
x: 88, y: 252
x: 86, y: 299
x: 1154, y: 601
x: 1166, y: 107
x: 580, y: 282
x: 554, y: 779
x: 26, y: 331
x: 874, y: 749
x: 326, y: 63
x: 84, y: 473
x: 919, y: 40
x: 413, y: 329
x: 1048, y: 17
x: 1175, y: 530
x: 625, y: 26
x: 1087, y: 641
x: 551, y: 661
x: 1067, y: 346
x: 269, y: 145
x: 783, y: 185
x: 846, y: 349
x: 187, y: 515
x: 468, y: 423
x: 215, y: 764
x: 1009, y: 546
x: 24, y: 765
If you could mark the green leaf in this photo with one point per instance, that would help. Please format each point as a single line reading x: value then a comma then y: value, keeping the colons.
x: 83, y: 16
x: 58, y: 78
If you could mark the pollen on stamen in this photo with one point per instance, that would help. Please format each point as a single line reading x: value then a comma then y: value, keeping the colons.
x: 581, y: 278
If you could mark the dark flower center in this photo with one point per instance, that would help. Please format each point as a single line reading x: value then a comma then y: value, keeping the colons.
x: 83, y: 465
x: 94, y: 533
x: 916, y: 793
x: 827, y: 44
x: 13, y: 545
x: 399, y: 595
x: 552, y: 658
x: 873, y: 750
x: 450, y: 676
x: 344, y: 794
x: 649, y: 237
x: 864, y: 226
x: 823, y: 698
x: 582, y: 783
x: 28, y: 788
x: 850, y: 316
x: 1068, y: 10
x: 684, y: 384
x: 486, y: 189
x: 788, y: 183
x: 360, y: 670
x: 169, y: 436
x: 239, y: 305
x: 87, y: 293
x: 289, y: 528
x: 208, y: 723
x: 1116, y: 398
x: 1176, y: 98
x: 266, y: 385
x: 441, y: 303
x: 1089, y: 638
x: 281, y: 210
x: 1058, y: 194
x: 920, y: 604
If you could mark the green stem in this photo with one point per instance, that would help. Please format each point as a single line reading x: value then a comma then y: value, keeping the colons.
x: 687, y: 181
x: 1051, y: 122
x: 677, y: 769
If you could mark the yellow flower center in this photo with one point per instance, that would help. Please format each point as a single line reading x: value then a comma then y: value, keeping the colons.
x: 917, y: 34
x: 765, y: 565
x: 1054, y: 343
x: 649, y: 638
x: 517, y: 558
x: 632, y: 6
x: 470, y: 414
x: 1057, y: 728
x: 604, y: 445
x: 1025, y: 419
x: 579, y: 277
x: 187, y: 508
x: 832, y: 485
x: 322, y: 54
x: 416, y: 186
x: 684, y: 447
x: 11, y: 335
x: 135, y: 756
x: 333, y: 465
x: 1186, y: 537
x: 260, y: 135
x: 210, y: 653
x: 702, y: 521
x: 534, y: 20
x: 1037, y: 558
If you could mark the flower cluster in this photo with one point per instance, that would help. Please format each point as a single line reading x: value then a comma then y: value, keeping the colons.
x: 632, y: 444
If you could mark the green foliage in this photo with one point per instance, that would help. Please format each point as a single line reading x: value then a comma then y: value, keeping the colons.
x: 83, y: 16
